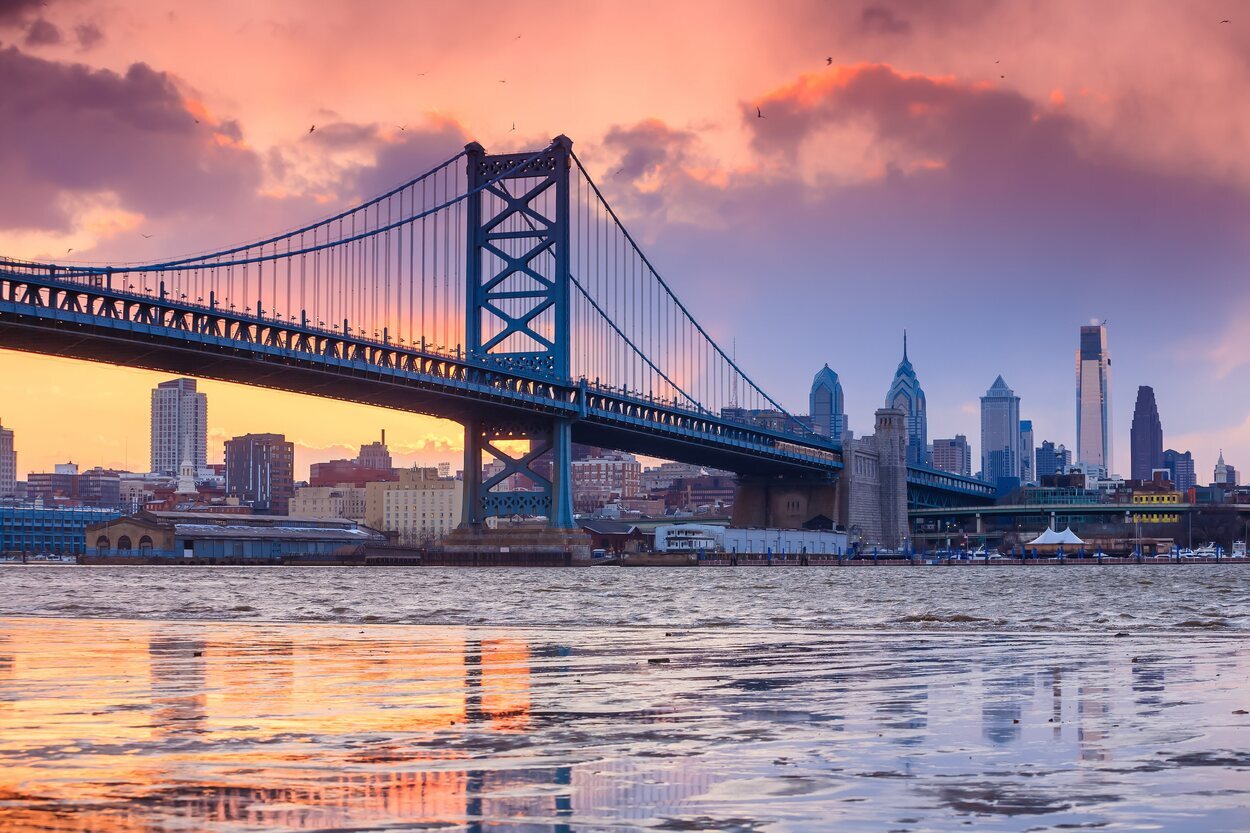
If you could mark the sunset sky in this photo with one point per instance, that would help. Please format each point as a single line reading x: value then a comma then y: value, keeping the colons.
x: 987, y: 176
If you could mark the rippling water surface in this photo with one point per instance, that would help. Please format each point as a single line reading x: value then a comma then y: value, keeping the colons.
x: 519, y: 701
x: 1068, y: 598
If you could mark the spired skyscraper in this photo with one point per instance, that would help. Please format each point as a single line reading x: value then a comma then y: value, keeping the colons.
x: 825, y: 405
x: 905, y: 393
x: 1093, y: 399
x: 179, y: 427
x: 1000, y: 432
x: 1146, y: 438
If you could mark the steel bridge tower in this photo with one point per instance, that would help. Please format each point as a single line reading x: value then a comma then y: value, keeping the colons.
x: 517, y: 319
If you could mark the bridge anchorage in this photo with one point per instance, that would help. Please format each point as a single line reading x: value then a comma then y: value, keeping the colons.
x: 503, y: 292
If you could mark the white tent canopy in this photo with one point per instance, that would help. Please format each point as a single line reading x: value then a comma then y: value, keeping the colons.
x: 1054, y: 538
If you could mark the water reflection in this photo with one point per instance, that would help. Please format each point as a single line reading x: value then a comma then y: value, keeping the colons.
x: 138, y: 726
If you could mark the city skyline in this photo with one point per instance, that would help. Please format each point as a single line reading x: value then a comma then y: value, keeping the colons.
x: 869, y: 144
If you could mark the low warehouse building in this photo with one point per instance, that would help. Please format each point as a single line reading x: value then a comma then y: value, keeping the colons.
x: 202, y: 537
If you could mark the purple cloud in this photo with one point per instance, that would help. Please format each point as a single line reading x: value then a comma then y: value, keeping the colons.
x: 881, y: 20
x: 43, y: 33
x: 90, y: 131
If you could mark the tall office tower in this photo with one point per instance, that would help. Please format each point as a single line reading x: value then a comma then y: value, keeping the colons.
x: 1028, y: 473
x: 375, y: 455
x: 260, y: 471
x: 179, y: 426
x: 906, y: 394
x: 1000, y: 432
x: 1225, y: 474
x: 825, y: 405
x: 953, y: 455
x: 8, y: 463
x: 1052, y: 459
x: 1181, y: 466
x: 1146, y: 438
x: 1093, y: 399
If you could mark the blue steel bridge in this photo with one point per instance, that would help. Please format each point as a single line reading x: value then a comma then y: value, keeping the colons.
x: 499, y: 291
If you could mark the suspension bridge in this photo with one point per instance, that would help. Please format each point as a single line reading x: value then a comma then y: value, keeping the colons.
x: 500, y: 291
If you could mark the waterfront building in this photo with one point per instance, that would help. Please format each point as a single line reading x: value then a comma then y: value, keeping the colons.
x: 8, y: 463
x: 605, y: 478
x: 1028, y: 471
x: 953, y: 455
x: 1225, y: 475
x: 375, y: 455
x: 342, y: 501
x: 1180, y: 466
x: 227, y: 537
x: 60, y: 530
x: 906, y: 395
x: 1000, y: 433
x: 179, y: 426
x: 375, y: 491
x: 423, y: 512
x: 1052, y: 459
x: 260, y: 471
x: 825, y: 405
x: 1093, y: 399
x: 1168, y: 498
x: 1146, y: 437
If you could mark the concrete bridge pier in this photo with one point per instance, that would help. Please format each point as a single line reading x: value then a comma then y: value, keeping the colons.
x: 783, y: 503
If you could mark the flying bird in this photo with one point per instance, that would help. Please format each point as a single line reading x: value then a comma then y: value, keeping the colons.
x: 758, y: 114
x: 311, y: 129
x: 145, y: 236
x: 1002, y: 76
x: 503, y: 82
x: 67, y: 251
x: 1222, y: 21
x: 618, y: 173
x: 828, y: 62
x: 402, y: 127
x: 513, y: 130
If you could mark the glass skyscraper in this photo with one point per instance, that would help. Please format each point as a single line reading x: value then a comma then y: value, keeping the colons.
x: 1000, y: 432
x: 825, y: 404
x: 905, y: 393
x: 1093, y: 399
x: 1146, y: 438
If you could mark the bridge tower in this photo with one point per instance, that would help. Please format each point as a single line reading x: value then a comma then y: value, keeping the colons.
x: 517, y: 319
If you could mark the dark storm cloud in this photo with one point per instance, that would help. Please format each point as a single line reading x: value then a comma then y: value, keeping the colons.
x: 86, y: 131
x: 881, y: 20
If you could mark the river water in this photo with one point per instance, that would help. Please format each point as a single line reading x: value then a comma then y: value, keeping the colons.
x: 740, y: 699
x: 1164, y: 597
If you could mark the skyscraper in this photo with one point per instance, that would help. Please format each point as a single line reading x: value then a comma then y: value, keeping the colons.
x: 1052, y: 459
x: 953, y: 455
x: 905, y: 393
x: 825, y: 404
x: 1181, y: 465
x: 1000, y: 432
x: 1028, y: 473
x: 260, y: 470
x: 1093, y: 399
x: 179, y: 426
x: 8, y: 463
x: 1225, y: 475
x: 1146, y: 439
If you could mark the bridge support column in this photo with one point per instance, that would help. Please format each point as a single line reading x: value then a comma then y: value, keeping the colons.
x: 783, y: 503
x: 527, y: 482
